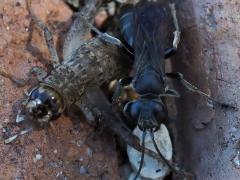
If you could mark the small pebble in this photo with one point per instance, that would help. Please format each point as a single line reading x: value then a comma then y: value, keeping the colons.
x: 61, y: 176
x: 111, y: 8
x: 4, y: 130
x: 74, y: 3
x: 81, y: 158
x: 89, y: 152
x: 83, y: 170
x: 79, y: 143
x: 150, y: 165
x: 236, y: 160
x: 38, y: 157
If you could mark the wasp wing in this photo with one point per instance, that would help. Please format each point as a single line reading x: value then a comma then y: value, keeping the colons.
x: 152, y: 24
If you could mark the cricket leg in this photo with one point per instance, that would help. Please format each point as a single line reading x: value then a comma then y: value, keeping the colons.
x: 15, y: 80
x: 77, y: 35
x: 48, y: 37
x: 38, y: 72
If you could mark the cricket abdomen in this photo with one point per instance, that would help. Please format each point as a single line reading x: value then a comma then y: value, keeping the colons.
x: 93, y: 63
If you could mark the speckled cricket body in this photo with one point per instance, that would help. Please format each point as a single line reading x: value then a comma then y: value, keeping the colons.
x: 85, y: 62
x: 88, y: 66
x: 66, y: 84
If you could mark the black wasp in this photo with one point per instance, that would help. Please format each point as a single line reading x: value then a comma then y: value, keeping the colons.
x: 147, y: 29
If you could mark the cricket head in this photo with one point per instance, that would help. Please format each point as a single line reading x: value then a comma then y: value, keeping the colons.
x: 44, y: 104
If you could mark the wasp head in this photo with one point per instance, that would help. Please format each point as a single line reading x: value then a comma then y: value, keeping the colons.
x: 148, y: 113
x: 44, y: 104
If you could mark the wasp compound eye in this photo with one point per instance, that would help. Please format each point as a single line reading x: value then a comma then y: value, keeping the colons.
x: 44, y: 104
x: 149, y: 114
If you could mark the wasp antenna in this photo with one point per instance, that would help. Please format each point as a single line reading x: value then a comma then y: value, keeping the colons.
x: 212, y: 102
x: 175, y: 169
x: 159, y: 153
x: 142, y: 157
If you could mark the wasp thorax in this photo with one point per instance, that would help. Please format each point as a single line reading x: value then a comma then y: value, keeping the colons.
x: 44, y: 104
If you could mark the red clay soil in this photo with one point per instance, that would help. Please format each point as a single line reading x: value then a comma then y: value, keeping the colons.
x: 65, y: 151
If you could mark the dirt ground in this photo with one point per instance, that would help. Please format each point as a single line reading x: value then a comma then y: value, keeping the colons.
x: 68, y: 150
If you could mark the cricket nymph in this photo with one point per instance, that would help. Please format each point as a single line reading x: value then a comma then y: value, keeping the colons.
x: 92, y: 63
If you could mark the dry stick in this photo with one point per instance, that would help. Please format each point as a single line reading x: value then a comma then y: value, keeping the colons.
x: 110, y: 118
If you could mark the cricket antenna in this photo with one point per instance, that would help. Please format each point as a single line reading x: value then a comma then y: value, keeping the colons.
x: 142, y: 157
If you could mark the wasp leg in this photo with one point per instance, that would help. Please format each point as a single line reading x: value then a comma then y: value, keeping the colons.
x: 170, y: 93
x: 186, y: 84
x: 171, y: 51
x: 116, y: 98
x: 48, y: 36
x: 195, y: 89
x: 177, y: 32
x: 119, y: 90
x: 110, y: 39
